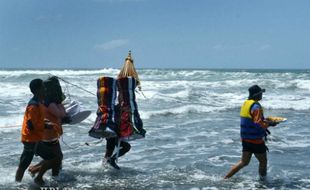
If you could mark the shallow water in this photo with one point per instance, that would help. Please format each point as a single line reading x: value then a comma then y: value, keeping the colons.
x: 192, y: 123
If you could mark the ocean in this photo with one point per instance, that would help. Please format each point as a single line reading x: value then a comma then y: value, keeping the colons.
x: 192, y: 123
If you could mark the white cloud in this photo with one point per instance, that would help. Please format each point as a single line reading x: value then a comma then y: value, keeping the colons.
x: 112, y: 44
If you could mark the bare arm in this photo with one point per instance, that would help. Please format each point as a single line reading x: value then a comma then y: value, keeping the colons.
x: 258, y: 118
x: 57, y: 109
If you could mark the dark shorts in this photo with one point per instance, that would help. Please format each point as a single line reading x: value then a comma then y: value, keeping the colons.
x: 40, y: 149
x: 48, y: 150
x: 254, y: 148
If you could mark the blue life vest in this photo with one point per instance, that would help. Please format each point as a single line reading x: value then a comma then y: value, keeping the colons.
x: 249, y: 129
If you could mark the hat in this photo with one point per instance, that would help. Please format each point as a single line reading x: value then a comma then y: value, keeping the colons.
x: 255, y: 90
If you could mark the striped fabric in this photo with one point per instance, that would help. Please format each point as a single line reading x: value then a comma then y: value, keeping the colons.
x: 129, y: 122
x: 105, y: 125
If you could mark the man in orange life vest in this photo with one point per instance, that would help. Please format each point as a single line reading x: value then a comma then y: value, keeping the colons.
x: 253, y: 131
x: 32, y: 131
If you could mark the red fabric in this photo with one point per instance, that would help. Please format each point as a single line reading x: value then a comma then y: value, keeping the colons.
x: 126, y: 124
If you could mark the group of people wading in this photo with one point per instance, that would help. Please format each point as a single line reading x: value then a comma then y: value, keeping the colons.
x: 45, y: 114
x: 118, y: 123
x: 42, y: 128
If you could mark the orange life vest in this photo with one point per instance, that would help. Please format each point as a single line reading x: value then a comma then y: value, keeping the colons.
x: 33, y: 124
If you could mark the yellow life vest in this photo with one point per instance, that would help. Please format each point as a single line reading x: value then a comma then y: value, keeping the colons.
x: 246, y: 109
x: 249, y: 129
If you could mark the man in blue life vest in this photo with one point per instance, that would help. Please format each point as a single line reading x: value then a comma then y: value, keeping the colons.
x: 253, y: 130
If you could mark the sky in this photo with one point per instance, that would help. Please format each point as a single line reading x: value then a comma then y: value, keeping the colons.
x: 92, y: 34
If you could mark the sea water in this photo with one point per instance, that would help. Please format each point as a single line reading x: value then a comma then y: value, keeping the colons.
x: 192, y: 123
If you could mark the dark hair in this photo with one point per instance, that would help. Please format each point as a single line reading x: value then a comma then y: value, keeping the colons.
x: 35, y: 85
x: 53, y: 91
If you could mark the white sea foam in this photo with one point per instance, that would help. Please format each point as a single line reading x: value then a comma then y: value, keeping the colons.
x: 11, y: 122
x: 227, y: 141
x: 66, y: 72
x: 302, y: 84
x: 293, y: 102
x: 191, y: 118
x: 8, y: 177
x: 180, y: 110
x: 15, y: 90
x: 302, y: 143
x: 177, y: 96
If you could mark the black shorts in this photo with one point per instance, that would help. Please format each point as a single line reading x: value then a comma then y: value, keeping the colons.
x: 254, y: 148
x: 48, y: 150
x: 30, y: 149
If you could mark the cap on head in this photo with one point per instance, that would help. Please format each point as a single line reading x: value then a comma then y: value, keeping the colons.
x: 35, y: 85
x: 255, y: 90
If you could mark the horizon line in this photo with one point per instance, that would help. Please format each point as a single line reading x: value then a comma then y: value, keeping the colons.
x: 146, y: 68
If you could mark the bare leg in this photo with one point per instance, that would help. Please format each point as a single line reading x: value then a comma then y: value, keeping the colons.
x: 19, y: 174
x: 25, y: 160
x: 262, y: 168
x: 46, y: 165
x: 245, y: 160
x: 35, y: 169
